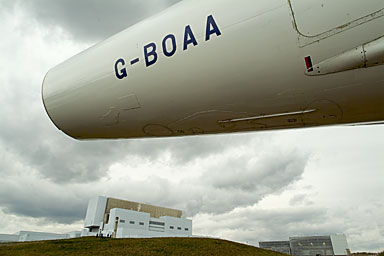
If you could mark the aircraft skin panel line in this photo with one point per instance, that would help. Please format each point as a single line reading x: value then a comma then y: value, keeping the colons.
x: 269, y: 116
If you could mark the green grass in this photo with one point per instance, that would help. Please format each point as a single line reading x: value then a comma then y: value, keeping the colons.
x: 381, y: 254
x: 134, y: 247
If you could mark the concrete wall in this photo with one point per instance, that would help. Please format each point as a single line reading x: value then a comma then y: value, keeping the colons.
x: 340, y: 244
x: 140, y: 224
x: 177, y: 226
x: 95, y: 212
x: 9, y: 238
x: 27, y: 236
x: 125, y: 219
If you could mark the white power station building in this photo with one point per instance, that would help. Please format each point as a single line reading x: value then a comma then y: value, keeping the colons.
x: 119, y: 219
x: 125, y: 219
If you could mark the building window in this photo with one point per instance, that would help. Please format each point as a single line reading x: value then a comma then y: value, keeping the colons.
x: 157, y: 223
x: 179, y: 228
x: 122, y: 221
x: 141, y: 223
x: 131, y: 222
x: 172, y: 227
x: 186, y: 229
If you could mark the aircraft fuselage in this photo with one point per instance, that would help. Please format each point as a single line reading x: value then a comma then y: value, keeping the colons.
x: 220, y: 66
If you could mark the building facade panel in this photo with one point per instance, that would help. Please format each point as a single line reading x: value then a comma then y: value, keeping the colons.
x: 340, y: 244
x: 28, y: 236
x: 311, y: 246
x: 127, y: 223
x: 8, y: 238
x: 95, y: 213
x: 277, y: 246
x: 154, y: 211
x: 335, y: 245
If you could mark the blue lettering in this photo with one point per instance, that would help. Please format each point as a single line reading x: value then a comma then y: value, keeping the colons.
x: 212, y: 28
x: 169, y: 47
x: 189, y: 37
x: 173, y: 41
x: 149, y: 54
x: 122, y: 73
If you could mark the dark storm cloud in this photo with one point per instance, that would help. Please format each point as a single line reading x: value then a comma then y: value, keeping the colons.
x: 35, y: 143
x: 90, y: 19
x: 35, y: 198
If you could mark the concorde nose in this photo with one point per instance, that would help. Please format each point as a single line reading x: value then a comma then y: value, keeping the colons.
x: 55, y: 93
x: 75, y: 98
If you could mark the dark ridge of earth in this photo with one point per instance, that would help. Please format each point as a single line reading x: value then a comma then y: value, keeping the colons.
x: 135, y: 247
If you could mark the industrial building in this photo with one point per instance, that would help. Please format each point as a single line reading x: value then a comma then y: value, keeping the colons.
x: 125, y: 219
x: 29, y: 236
x: 333, y: 245
x: 116, y: 218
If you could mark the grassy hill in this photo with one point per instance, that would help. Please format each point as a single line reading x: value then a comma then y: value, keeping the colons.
x: 133, y: 247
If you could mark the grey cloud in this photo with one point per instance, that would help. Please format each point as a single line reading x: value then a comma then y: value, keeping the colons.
x: 90, y: 20
x: 381, y: 229
x: 243, y: 181
x: 255, y: 225
x: 246, y: 172
x: 184, y: 150
x: 64, y: 160
x: 300, y: 199
x: 34, y: 142
x: 35, y: 198
x: 281, y: 223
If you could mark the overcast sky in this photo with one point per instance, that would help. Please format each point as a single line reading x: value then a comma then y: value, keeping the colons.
x: 247, y: 187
